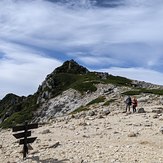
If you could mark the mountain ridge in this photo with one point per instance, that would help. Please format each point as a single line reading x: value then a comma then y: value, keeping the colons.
x: 68, y: 88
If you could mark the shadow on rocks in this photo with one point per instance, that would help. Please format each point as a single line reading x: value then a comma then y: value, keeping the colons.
x: 49, y: 160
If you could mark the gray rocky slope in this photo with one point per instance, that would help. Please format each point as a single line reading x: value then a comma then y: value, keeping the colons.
x: 92, y: 127
x: 112, y: 97
x: 71, y: 90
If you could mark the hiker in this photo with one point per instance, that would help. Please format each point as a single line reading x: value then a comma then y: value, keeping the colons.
x: 128, y: 102
x: 134, y: 104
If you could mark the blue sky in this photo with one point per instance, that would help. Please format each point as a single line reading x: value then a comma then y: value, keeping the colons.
x: 36, y: 36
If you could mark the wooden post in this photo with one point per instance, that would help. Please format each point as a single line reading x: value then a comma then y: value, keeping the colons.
x: 25, y: 135
x: 25, y: 147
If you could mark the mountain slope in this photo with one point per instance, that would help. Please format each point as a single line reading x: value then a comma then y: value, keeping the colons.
x: 68, y: 89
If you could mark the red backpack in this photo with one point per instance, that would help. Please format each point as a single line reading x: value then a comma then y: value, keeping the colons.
x: 135, y: 102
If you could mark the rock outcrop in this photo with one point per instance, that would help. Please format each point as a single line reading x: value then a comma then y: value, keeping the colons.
x: 72, y: 88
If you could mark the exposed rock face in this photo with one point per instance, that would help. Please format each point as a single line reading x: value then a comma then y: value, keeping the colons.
x: 143, y: 99
x: 71, y: 67
x: 69, y: 101
x: 59, y: 78
x: 73, y: 88
x: 143, y: 84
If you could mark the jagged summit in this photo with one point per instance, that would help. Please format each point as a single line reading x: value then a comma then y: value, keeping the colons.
x: 71, y: 67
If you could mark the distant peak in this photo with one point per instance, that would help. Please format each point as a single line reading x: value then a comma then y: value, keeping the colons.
x: 71, y: 66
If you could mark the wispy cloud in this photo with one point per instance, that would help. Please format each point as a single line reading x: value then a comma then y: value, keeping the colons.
x: 36, y: 35
x: 22, y: 69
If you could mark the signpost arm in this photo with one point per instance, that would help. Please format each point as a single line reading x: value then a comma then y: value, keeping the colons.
x: 25, y: 134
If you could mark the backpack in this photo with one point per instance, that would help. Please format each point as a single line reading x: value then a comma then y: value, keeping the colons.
x: 134, y: 102
x: 128, y: 101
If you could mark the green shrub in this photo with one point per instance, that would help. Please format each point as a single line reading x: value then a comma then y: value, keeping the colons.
x: 153, y: 91
x: 97, y: 100
x: 118, y: 80
x: 16, y: 118
x: 143, y: 90
x: 131, y: 93
x: 80, y: 109
x: 84, y: 87
x: 107, y: 103
x: 22, y: 112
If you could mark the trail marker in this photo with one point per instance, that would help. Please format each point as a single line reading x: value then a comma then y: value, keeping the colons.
x: 25, y: 134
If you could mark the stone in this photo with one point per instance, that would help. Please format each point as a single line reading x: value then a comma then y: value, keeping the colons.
x: 161, y: 101
x: 161, y: 118
x: 105, y: 111
x: 91, y: 113
x: 132, y: 134
x: 161, y: 130
x: 155, y: 116
x: 71, y: 127
x: 100, y: 116
x: 158, y: 110
x: 83, y: 124
x: 128, y: 113
x: 141, y: 110
x: 86, y: 136
x: 54, y: 145
x: 148, y: 124
x: 46, y: 131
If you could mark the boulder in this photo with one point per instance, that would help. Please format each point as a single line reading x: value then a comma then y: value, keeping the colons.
x: 90, y: 113
x: 105, y: 111
x: 161, y: 129
x: 54, y: 145
x: 157, y: 110
x: 132, y: 134
x: 46, y: 131
x: 161, y: 118
x: 161, y: 100
x: 155, y: 116
x: 141, y: 110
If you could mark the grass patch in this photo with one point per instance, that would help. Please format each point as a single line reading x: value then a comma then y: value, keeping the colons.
x: 84, y: 87
x: 97, y: 100
x: 153, y: 91
x: 17, y: 118
x: 80, y: 109
x: 118, y: 80
x: 139, y: 91
x: 80, y: 82
x: 131, y: 93
x: 107, y: 103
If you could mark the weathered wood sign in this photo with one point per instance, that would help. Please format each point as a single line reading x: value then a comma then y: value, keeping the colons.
x: 25, y: 134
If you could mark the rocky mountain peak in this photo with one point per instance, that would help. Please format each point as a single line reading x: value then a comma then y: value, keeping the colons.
x: 9, y: 99
x: 71, y: 67
x: 72, y: 88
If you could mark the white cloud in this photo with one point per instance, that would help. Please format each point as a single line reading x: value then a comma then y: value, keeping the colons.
x: 22, y: 70
x: 126, y: 36
x: 99, y: 61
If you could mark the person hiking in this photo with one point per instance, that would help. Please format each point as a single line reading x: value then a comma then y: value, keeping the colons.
x: 128, y: 102
x: 134, y: 104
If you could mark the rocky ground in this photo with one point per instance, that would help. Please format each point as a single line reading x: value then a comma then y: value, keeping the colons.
x: 94, y: 138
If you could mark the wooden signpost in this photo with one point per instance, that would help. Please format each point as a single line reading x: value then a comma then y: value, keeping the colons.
x: 24, y: 135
